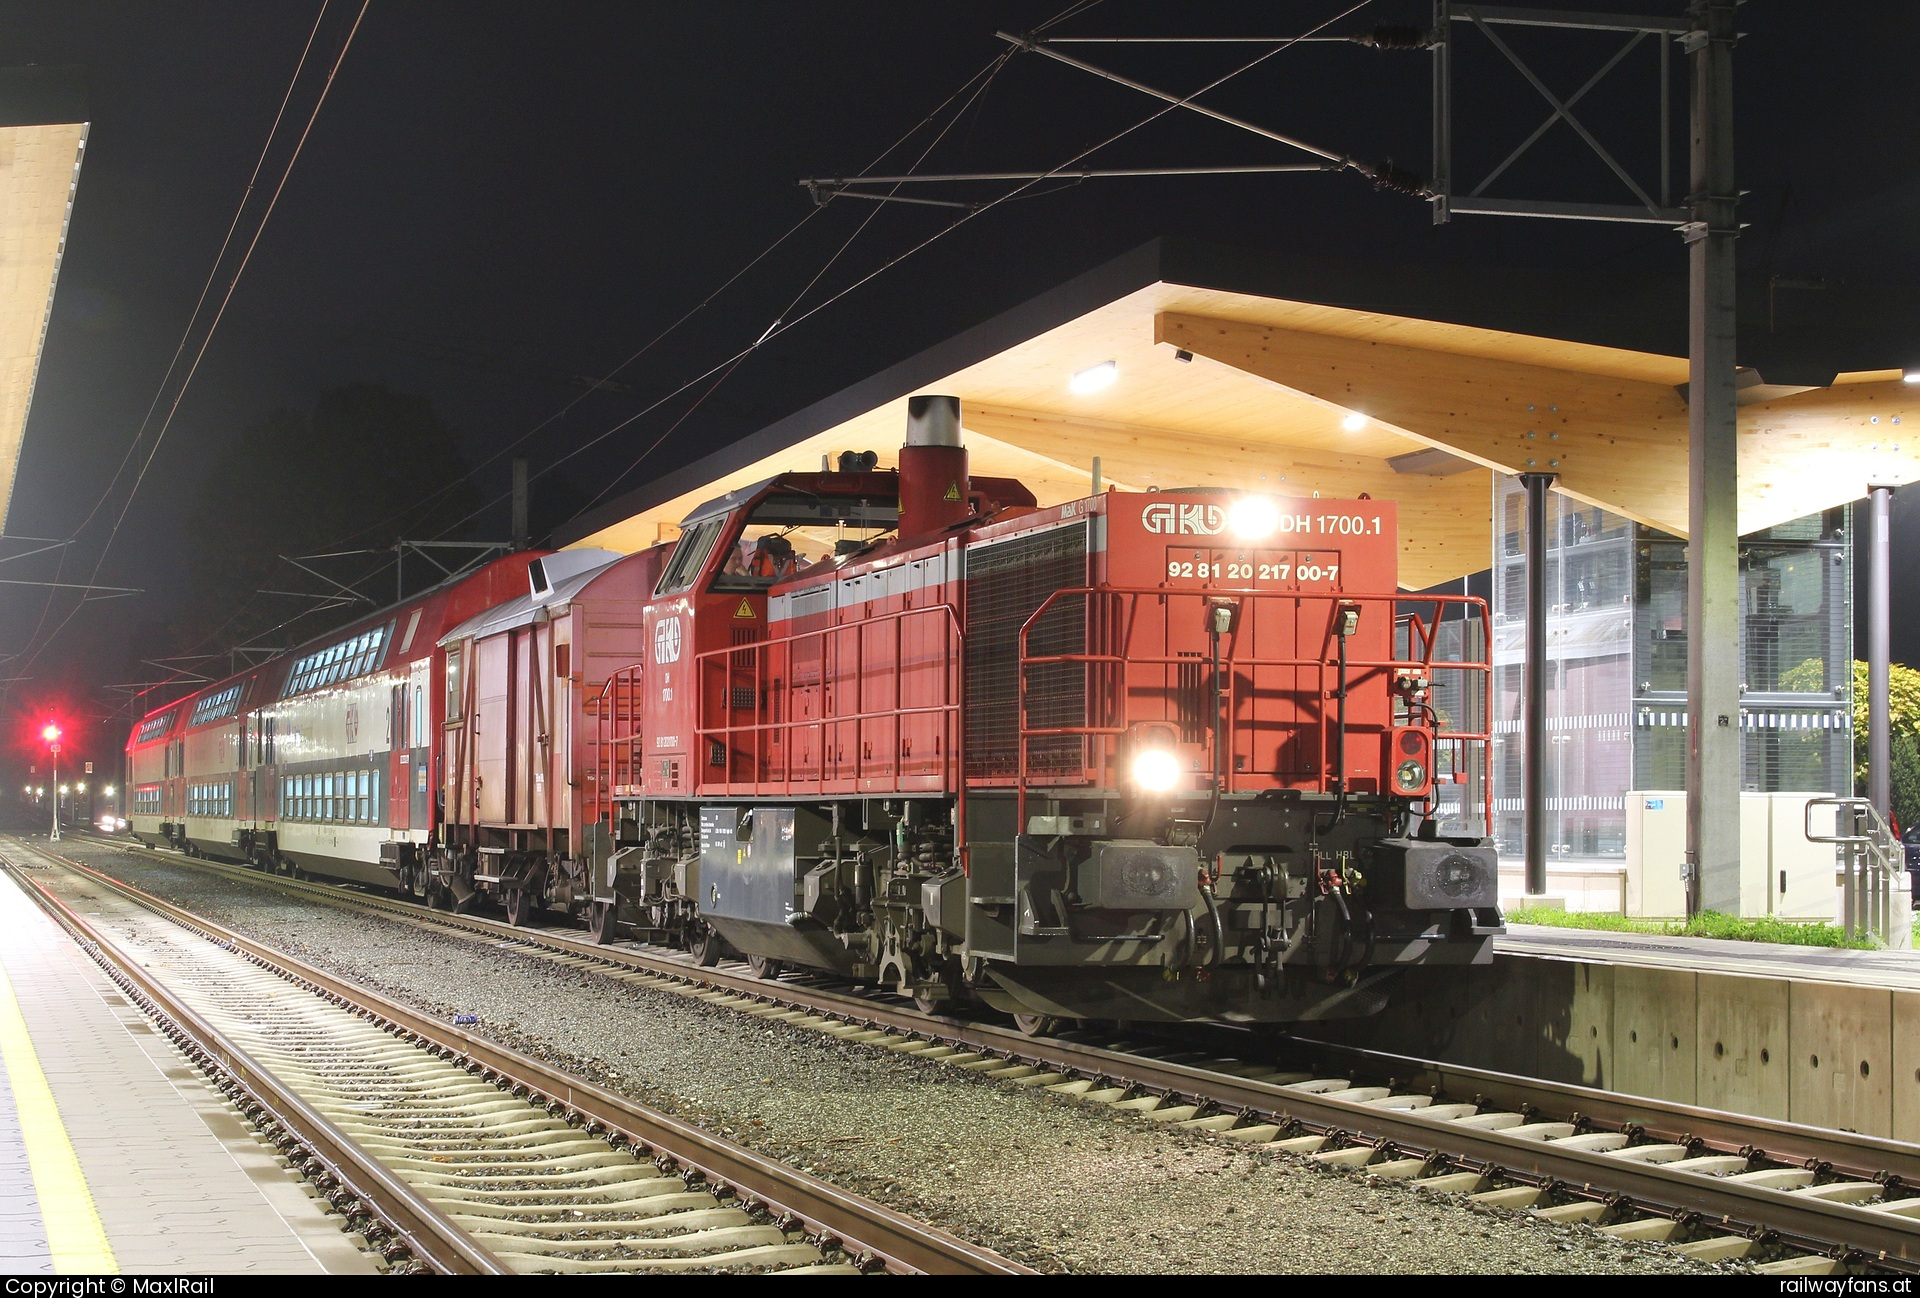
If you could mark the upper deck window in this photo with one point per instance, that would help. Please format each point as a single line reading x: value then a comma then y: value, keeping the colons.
x: 221, y: 703
x: 352, y: 657
x: 152, y: 728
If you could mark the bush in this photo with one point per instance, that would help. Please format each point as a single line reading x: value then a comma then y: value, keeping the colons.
x: 1732, y: 928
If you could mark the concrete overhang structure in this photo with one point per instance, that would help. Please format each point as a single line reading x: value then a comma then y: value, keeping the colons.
x: 1235, y: 369
x: 42, y: 141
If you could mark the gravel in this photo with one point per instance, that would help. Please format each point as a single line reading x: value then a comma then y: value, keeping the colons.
x: 1061, y: 1186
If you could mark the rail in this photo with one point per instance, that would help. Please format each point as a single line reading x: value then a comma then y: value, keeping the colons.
x: 1596, y: 1157
x: 901, y: 1243
x: 1875, y: 895
x: 432, y: 1238
x: 1117, y: 659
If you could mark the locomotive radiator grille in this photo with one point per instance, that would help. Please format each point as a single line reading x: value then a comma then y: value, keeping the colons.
x: 1006, y: 582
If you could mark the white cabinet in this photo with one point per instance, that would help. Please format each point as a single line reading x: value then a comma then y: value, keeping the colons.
x: 1781, y: 873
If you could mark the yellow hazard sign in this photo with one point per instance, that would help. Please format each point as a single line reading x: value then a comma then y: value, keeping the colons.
x: 953, y: 491
x: 745, y: 610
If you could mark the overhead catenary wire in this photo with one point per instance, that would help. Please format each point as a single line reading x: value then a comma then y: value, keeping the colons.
x: 213, y: 327
x: 193, y: 317
x: 415, y: 508
x: 788, y: 320
x: 783, y: 324
x: 992, y: 71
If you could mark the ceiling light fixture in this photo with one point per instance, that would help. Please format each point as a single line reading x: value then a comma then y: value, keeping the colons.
x: 1912, y: 375
x: 1354, y: 423
x: 1095, y: 379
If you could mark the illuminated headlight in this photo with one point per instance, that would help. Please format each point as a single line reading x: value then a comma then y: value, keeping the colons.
x: 1156, y: 770
x: 1253, y: 518
x: 1410, y: 776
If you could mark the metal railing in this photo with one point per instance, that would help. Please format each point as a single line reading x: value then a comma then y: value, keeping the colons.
x: 1874, y: 894
x: 1111, y: 660
x: 869, y: 656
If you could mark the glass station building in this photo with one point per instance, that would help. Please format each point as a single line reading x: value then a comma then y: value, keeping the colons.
x: 1617, y: 665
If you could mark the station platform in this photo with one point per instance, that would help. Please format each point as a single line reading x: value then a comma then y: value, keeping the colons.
x: 115, y: 1157
x: 1898, y: 970
x: 1813, y: 1035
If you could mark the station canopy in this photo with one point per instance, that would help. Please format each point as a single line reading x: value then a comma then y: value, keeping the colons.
x: 42, y: 139
x: 1239, y: 370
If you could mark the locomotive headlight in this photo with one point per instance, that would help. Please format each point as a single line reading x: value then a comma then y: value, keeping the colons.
x: 1253, y: 518
x: 1410, y: 775
x: 1156, y: 770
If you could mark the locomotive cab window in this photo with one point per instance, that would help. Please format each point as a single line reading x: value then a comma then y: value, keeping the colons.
x: 787, y: 533
x: 690, y: 556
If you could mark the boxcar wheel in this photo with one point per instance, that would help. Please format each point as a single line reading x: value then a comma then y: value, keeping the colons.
x: 600, y: 922
x: 519, y: 907
x: 706, y: 949
x: 765, y: 967
x: 1036, y: 1025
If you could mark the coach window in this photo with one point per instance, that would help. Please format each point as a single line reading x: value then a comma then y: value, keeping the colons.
x: 690, y: 556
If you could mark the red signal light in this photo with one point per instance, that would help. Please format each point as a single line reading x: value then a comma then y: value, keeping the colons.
x: 51, y: 733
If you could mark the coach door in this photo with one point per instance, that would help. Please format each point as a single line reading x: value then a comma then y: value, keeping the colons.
x: 399, y: 760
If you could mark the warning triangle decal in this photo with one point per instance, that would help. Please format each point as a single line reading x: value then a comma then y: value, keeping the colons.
x: 745, y: 610
x: 953, y: 491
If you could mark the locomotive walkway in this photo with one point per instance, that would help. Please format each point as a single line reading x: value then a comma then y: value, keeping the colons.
x: 114, y: 1156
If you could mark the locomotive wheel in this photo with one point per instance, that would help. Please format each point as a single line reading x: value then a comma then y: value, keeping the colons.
x: 928, y: 1005
x: 706, y: 949
x: 765, y: 967
x: 1036, y: 1025
x: 600, y: 922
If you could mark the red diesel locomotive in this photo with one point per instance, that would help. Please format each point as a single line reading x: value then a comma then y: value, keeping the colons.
x: 1163, y: 755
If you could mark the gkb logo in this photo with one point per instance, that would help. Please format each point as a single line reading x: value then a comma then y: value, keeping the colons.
x: 1183, y: 520
x: 666, y: 641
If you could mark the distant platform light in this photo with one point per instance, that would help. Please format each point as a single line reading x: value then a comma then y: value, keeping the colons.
x: 1095, y: 379
x: 1912, y: 375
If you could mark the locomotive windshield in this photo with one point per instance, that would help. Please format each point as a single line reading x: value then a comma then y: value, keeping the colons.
x: 782, y: 534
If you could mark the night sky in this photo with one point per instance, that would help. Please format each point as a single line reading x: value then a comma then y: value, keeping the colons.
x: 499, y: 203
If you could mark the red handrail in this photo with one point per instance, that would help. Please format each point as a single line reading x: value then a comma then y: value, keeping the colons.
x: 1120, y: 697
x: 949, y: 706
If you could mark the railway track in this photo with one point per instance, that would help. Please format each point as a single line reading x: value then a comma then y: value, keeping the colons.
x: 455, y: 1155
x: 1786, y: 1199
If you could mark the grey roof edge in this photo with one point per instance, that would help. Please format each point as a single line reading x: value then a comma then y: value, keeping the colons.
x: 1127, y: 273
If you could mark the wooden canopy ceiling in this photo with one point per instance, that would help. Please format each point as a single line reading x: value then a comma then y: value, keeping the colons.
x: 39, y: 168
x: 1217, y: 388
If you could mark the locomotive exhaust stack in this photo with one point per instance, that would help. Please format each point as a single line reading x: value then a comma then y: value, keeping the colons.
x: 935, y: 492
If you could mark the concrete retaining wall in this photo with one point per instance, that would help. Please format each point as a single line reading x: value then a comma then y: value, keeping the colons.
x: 1827, y: 1054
